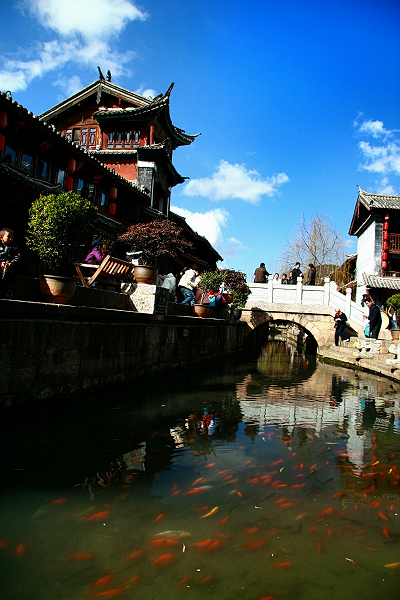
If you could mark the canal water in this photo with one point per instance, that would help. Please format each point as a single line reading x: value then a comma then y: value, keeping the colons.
x: 275, y: 478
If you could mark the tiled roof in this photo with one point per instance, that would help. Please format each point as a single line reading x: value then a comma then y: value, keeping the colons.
x: 389, y: 283
x: 378, y: 200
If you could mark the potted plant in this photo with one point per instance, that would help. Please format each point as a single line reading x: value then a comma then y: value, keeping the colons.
x: 209, y: 282
x: 394, y: 302
x: 235, y: 285
x: 154, y: 239
x: 59, y: 226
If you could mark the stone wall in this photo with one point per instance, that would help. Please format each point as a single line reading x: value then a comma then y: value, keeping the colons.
x: 49, y: 351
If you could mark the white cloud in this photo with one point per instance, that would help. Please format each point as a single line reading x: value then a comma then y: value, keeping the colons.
x: 383, y: 157
x: 208, y: 224
x: 235, y: 181
x: 86, y: 34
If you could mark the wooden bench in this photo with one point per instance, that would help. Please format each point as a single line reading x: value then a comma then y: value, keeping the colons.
x: 112, y: 270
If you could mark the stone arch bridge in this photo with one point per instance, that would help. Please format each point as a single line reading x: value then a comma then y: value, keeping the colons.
x: 309, y: 307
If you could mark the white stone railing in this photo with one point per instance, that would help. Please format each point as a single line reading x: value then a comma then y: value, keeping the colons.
x: 313, y: 295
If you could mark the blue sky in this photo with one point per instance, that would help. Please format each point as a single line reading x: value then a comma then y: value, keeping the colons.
x: 297, y: 102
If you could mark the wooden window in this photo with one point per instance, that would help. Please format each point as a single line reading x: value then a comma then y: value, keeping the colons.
x: 76, y: 135
x: 92, y: 137
x: 60, y: 176
x: 43, y: 169
x: 10, y: 155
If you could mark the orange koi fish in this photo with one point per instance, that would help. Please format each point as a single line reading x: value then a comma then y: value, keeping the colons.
x: 80, y: 556
x: 98, y: 516
x: 250, y: 530
x: 338, y: 495
x: 176, y: 493
x: 21, y: 549
x: 277, y: 462
x: 211, y: 465
x: 319, y: 547
x: 382, y: 516
x: 159, y: 517
x: 313, y: 528
x: 201, y: 508
x: 108, y: 593
x: 55, y: 502
x: 274, y: 532
x: 267, y: 598
x: 386, y: 532
x: 194, y: 491
x: 279, y: 501
x: 182, y: 583
x: 164, y: 560
x: 199, y: 480
x: 393, y: 565
x: 213, y: 546
x: 132, y: 580
x: 103, y: 581
x: 206, y: 579
x: 228, y: 477
x: 283, y: 565
x: 202, y: 545
x: 134, y: 556
x: 370, y: 548
x: 222, y: 535
x: 254, y: 545
x: 329, y: 533
x: 175, y: 487
x: 375, y: 503
x: 223, y: 521
x: 327, y: 511
x: 128, y: 478
x: 287, y: 504
x: 213, y: 511
x: 224, y: 471
x: 298, y: 485
x: 4, y: 544
x: 122, y: 496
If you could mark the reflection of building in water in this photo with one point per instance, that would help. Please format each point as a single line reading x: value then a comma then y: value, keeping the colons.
x: 326, y: 398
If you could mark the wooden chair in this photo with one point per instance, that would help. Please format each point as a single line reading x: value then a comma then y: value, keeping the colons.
x: 113, y: 271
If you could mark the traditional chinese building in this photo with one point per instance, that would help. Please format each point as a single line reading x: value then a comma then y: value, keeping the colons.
x: 132, y: 135
x: 105, y: 143
x: 376, y: 223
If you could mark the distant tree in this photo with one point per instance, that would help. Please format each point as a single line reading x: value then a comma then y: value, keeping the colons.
x: 316, y: 242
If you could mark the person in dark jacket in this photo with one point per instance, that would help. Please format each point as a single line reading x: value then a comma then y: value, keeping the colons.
x: 261, y: 274
x: 340, y: 325
x: 9, y: 259
x: 296, y: 273
x: 375, y: 318
x: 311, y: 274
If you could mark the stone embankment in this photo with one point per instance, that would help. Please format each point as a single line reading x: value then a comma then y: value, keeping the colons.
x: 350, y: 355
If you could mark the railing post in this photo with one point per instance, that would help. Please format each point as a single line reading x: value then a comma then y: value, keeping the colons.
x: 326, y: 291
x: 270, y: 288
x: 348, y: 302
x: 299, y: 291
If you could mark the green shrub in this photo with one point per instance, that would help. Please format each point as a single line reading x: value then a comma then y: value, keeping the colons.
x: 59, y: 227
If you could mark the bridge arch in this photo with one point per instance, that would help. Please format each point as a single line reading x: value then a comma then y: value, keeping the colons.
x: 316, y: 322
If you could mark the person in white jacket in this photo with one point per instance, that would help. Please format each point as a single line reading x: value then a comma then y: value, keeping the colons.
x: 187, y: 284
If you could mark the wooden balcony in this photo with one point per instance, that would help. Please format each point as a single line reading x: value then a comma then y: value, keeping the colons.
x: 394, y: 243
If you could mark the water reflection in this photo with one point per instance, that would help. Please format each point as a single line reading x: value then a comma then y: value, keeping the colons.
x: 277, y: 479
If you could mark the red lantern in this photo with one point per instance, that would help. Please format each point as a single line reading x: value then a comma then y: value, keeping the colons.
x: 384, y: 264
x: 71, y: 165
x: 385, y: 236
x: 3, y: 119
x: 68, y: 183
x: 384, y: 255
x: 112, y: 207
x: 2, y: 142
x: 386, y: 226
x: 385, y: 246
x: 113, y: 193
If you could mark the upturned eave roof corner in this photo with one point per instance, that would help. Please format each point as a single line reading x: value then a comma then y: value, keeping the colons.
x: 368, y: 202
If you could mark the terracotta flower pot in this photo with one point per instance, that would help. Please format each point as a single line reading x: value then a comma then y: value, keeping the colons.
x: 228, y: 298
x: 145, y: 274
x: 201, y: 310
x: 57, y: 289
x: 395, y: 333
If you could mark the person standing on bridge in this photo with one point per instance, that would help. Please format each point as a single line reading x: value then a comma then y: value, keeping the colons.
x: 296, y: 273
x: 261, y: 274
x: 340, y: 325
